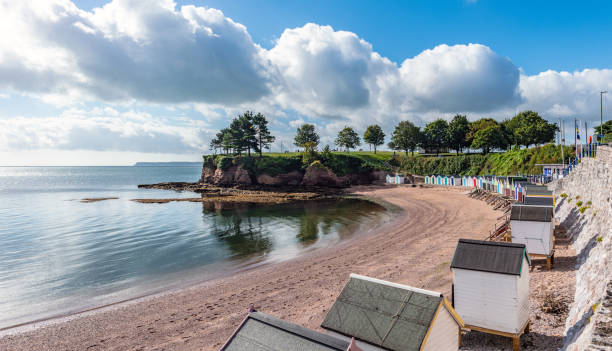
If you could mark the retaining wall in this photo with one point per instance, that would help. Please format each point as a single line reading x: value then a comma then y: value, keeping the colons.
x: 589, y: 324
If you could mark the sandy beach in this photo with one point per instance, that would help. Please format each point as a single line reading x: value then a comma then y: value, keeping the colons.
x: 416, y: 249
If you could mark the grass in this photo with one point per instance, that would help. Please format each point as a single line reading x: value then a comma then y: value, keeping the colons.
x: 564, y: 195
x: 599, y: 239
x: 583, y: 208
x: 578, y: 203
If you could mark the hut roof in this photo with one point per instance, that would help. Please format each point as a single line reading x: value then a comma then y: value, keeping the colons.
x: 392, y: 316
x: 538, y: 201
x: 531, y: 213
x: 260, y: 331
x: 489, y: 256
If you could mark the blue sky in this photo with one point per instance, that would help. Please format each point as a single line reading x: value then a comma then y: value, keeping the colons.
x: 100, y: 82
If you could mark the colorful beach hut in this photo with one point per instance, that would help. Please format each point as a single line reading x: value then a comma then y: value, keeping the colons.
x: 259, y: 331
x: 456, y: 181
x: 381, y: 315
x: 534, y: 227
x: 439, y: 180
x: 491, y: 287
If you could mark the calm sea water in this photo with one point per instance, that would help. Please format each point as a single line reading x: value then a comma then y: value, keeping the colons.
x: 59, y: 255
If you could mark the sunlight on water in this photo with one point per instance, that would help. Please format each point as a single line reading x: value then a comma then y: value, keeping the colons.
x: 60, y: 255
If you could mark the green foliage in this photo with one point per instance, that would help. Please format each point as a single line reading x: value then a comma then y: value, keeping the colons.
x: 589, y: 203
x: 435, y: 135
x: 306, y: 134
x: 569, y: 200
x: 457, y: 132
x: 406, y: 137
x: 262, y: 133
x: 518, y: 161
x: 475, y: 126
x: 274, y: 166
x: 224, y: 162
x: 599, y: 238
x: 578, y: 203
x: 528, y: 128
x: 347, y: 138
x: 607, y: 131
x: 310, y: 154
x: 607, y: 139
x: 563, y: 195
x: 374, y: 135
x: 489, y: 138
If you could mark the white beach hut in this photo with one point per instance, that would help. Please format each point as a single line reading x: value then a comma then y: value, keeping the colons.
x: 381, y: 315
x: 491, y: 287
x: 534, y: 227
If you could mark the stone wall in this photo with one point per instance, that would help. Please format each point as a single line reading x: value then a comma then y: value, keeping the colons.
x: 588, y: 326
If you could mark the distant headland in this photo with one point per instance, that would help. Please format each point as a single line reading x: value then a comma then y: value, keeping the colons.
x: 167, y: 164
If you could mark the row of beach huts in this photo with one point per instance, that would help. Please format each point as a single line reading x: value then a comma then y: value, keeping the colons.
x: 490, y: 292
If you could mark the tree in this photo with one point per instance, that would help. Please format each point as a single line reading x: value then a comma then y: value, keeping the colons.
x: 488, y: 138
x: 246, y: 132
x: 306, y: 133
x: 263, y: 136
x: 347, y: 138
x: 406, y: 137
x: 607, y: 129
x: 374, y: 135
x: 457, y: 131
x: 435, y: 135
x: 528, y: 128
x: 476, y: 126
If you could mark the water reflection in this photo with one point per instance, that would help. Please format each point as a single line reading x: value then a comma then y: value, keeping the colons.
x: 248, y: 229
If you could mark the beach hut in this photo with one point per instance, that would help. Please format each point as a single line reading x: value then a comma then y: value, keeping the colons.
x: 426, y: 179
x: 464, y: 181
x: 540, y: 201
x: 491, y: 287
x: 381, y: 315
x: 457, y: 181
x: 259, y: 331
x: 534, y: 227
x: 399, y: 179
x: 439, y: 180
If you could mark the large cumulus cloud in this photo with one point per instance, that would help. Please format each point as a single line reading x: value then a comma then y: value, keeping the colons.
x: 565, y: 94
x: 129, y: 49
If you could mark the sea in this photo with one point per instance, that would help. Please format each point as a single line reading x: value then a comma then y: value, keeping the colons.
x: 60, y: 255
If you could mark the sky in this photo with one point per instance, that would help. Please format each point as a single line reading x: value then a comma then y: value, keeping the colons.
x: 117, y: 82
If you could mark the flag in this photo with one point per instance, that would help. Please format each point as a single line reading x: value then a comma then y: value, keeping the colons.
x: 577, y: 131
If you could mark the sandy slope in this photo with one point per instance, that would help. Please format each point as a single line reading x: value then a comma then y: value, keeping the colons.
x: 415, y: 249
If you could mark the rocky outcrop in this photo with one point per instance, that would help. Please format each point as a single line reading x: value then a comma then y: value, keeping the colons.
x: 291, y: 178
x: 234, y: 175
x: 315, y: 175
x: 319, y: 175
x: 590, y: 229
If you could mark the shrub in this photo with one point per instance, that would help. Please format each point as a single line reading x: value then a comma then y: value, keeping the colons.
x: 599, y: 239
x: 578, y: 203
x: 274, y: 166
x: 589, y: 203
x: 583, y: 208
x: 569, y: 200
x: 224, y: 162
x: 577, y: 197
x: 563, y: 195
x: 553, y: 305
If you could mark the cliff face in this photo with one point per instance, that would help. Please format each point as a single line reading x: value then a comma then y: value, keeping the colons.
x: 314, y: 175
x: 589, y: 324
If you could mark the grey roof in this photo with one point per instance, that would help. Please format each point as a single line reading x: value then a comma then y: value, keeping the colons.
x: 531, y: 213
x: 537, y: 190
x: 538, y: 201
x: 262, y: 332
x: 489, y: 256
x: 392, y: 316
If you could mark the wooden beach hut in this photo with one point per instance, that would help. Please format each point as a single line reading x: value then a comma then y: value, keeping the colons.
x: 534, y: 226
x: 439, y: 180
x: 259, y: 331
x: 381, y: 315
x: 491, y: 287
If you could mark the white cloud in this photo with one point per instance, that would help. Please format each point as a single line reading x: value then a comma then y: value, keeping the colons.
x: 564, y: 94
x: 142, y: 50
x: 104, y: 130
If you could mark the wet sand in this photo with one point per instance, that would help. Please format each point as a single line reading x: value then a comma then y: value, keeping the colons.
x: 416, y: 249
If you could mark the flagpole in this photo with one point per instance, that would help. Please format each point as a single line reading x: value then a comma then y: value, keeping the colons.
x: 576, y: 137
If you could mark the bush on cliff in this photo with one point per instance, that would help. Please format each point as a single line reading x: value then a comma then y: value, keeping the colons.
x: 274, y: 166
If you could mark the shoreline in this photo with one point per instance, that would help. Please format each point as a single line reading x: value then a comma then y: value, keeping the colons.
x: 415, y: 249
